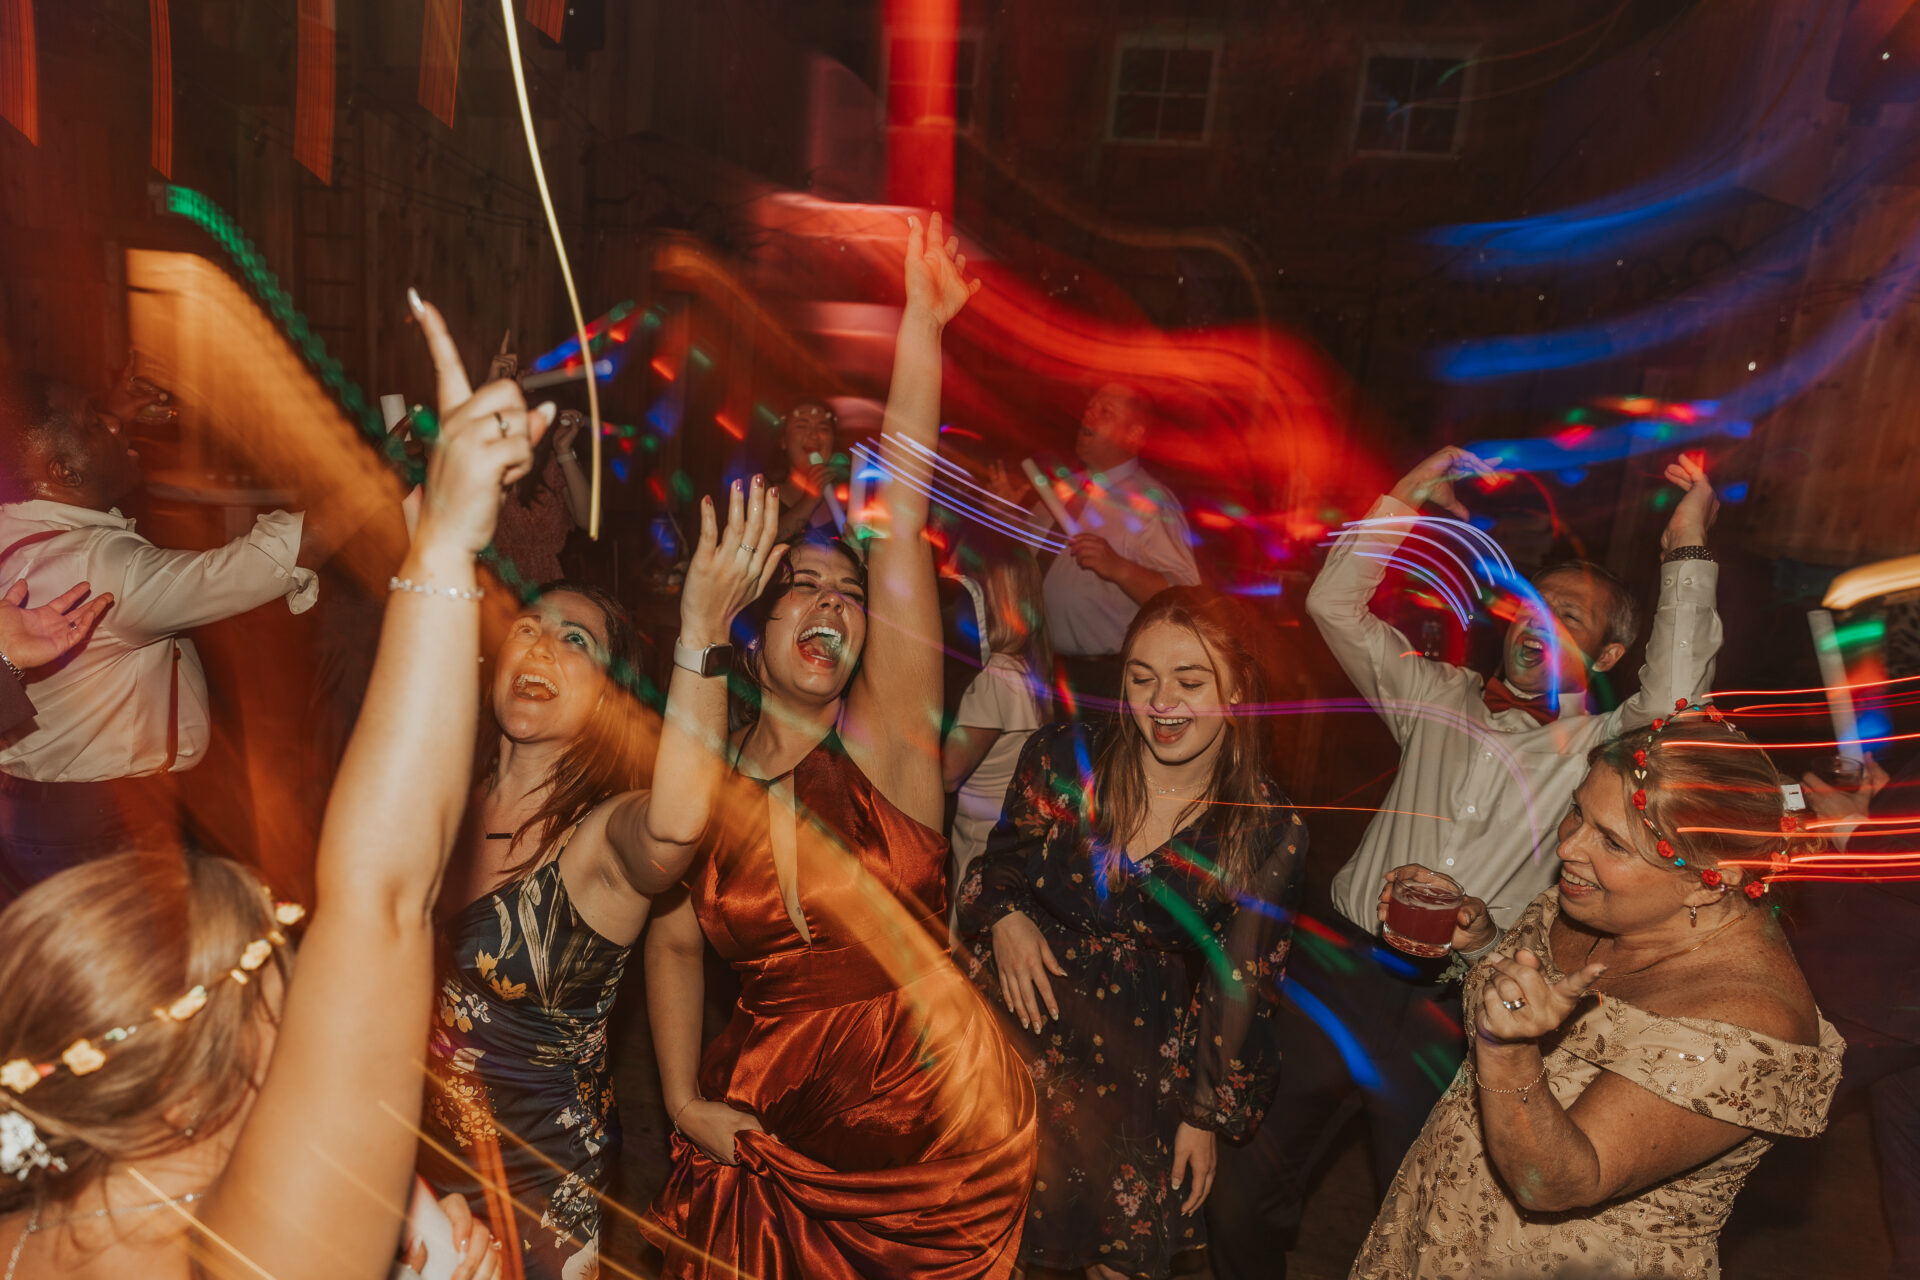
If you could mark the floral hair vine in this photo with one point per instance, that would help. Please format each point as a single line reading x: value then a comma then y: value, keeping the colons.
x: 1709, y: 876
x: 83, y: 1057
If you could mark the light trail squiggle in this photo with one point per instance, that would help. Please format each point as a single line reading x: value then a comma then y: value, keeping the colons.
x: 560, y: 249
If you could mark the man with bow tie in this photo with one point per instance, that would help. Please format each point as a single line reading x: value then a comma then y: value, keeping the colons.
x: 1487, y: 767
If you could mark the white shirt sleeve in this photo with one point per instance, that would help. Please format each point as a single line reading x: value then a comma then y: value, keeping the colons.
x: 158, y: 592
x: 999, y: 698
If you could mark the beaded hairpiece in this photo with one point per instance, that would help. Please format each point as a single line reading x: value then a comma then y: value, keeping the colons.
x: 1709, y: 876
x: 83, y: 1057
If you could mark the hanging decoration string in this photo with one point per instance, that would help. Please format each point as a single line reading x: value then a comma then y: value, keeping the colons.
x: 560, y: 249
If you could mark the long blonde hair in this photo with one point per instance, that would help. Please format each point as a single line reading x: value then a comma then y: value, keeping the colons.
x: 1016, y: 621
x: 103, y: 945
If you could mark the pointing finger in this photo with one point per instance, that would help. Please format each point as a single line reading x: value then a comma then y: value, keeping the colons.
x: 449, y: 372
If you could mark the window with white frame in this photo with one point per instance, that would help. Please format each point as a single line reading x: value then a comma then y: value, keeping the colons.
x: 1412, y: 101
x: 919, y: 78
x: 1163, y: 89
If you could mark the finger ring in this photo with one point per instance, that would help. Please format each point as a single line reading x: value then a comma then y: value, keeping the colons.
x: 500, y: 422
x: 749, y: 550
x: 1513, y: 1006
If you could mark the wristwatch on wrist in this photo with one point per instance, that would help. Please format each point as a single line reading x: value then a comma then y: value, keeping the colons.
x: 714, y: 660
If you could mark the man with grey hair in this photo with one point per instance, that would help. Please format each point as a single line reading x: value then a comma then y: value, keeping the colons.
x: 1487, y: 766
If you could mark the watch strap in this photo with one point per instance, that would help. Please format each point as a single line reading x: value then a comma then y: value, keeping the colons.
x: 714, y: 660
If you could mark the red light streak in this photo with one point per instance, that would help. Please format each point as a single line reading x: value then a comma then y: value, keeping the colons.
x: 729, y: 426
x: 1787, y: 746
x: 661, y: 367
x: 1779, y: 693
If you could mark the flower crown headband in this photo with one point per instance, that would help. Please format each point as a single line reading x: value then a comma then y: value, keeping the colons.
x: 1709, y: 876
x: 83, y: 1057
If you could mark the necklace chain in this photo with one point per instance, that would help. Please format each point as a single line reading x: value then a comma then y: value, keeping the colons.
x: 34, y: 1224
x: 1591, y: 947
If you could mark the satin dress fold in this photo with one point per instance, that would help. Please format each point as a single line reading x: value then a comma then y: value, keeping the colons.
x: 900, y: 1135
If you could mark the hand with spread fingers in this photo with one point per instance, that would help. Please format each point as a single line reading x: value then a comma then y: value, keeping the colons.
x: 35, y: 637
x: 1696, y: 511
x: 731, y: 566
x: 1432, y: 481
x: 485, y: 443
x: 1520, y: 1004
x: 133, y: 395
x: 937, y: 283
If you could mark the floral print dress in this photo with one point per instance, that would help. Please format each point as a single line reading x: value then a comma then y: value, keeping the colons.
x: 1165, y: 1012
x: 1448, y: 1215
x: 521, y: 1095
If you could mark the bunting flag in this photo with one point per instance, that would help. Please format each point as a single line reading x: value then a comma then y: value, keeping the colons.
x: 440, y: 58
x: 313, y: 103
x: 19, y: 69
x: 547, y: 17
x: 162, y: 87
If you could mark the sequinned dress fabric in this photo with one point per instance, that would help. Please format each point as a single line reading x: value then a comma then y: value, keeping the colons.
x: 1165, y: 1009
x: 899, y: 1125
x: 1447, y: 1214
x: 520, y: 1088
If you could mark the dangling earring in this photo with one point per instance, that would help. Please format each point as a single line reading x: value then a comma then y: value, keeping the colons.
x: 1693, y: 917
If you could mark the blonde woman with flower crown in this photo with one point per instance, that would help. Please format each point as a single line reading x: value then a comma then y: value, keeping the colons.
x: 177, y: 1098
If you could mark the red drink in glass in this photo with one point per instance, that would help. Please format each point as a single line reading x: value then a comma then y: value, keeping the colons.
x: 1420, y: 917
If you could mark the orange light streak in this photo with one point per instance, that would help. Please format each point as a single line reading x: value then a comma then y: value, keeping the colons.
x: 162, y: 40
x: 19, y: 69
x: 313, y: 100
x: 1787, y: 746
x: 1782, y: 693
x: 440, y: 58
x: 548, y: 17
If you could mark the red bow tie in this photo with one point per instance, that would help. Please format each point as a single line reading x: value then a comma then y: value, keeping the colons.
x: 1500, y: 698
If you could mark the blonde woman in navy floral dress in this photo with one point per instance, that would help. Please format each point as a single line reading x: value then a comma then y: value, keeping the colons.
x: 1131, y: 912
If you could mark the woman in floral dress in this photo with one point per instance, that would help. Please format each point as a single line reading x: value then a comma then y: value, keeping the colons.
x: 556, y: 873
x: 1614, y: 1132
x: 1131, y: 911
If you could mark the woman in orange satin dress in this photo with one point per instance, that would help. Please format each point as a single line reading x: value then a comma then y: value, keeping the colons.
x: 861, y: 1115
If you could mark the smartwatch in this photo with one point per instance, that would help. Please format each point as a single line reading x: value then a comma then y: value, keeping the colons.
x: 714, y: 660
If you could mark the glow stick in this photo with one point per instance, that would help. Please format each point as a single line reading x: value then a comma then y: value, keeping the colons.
x: 602, y: 370
x: 1049, y: 499
x: 857, y: 492
x: 1833, y: 669
x: 826, y: 491
x: 560, y: 249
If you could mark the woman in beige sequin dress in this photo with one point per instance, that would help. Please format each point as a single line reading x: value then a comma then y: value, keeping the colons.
x: 1639, y: 1036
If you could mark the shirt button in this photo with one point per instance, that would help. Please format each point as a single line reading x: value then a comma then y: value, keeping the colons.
x: 1449, y: 861
x: 1471, y: 809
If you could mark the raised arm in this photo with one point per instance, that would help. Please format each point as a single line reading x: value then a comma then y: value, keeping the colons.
x: 1387, y: 670
x: 653, y: 834
x: 319, y: 1179
x: 1686, y: 636
x: 895, y: 698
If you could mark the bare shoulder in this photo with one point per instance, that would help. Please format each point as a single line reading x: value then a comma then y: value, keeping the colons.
x: 1756, y: 985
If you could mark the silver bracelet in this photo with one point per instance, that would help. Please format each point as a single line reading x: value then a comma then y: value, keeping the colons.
x: 567, y: 457
x: 16, y: 672
x: 424, y: 589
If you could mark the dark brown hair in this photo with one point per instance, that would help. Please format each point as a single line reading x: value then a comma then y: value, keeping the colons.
x: 606, y: 759
x: 102, y: 945
x: 1233, y: 797
x: 1712, y: 792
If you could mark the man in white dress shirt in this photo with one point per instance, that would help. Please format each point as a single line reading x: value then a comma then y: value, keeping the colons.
x: 90, y: 773
x: 1134, y: 544
x: 1497, y: 760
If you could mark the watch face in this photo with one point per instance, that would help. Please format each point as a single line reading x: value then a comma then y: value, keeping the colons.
x: 716, y: 660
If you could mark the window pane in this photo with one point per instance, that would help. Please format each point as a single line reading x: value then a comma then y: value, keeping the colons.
x: 1184, y: 119
x: 1142, y: 70
x: 1189, y: 70
x: 1389, y: 79
x: 1136, y: 115
x: 1439, y: 79
x: 1380, y: 129
x: 1430, y: 130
